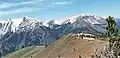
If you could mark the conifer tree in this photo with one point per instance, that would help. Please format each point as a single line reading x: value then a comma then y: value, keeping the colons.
x: 112, y: 32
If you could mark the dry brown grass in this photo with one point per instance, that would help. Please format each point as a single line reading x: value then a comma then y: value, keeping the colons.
x: 71, y: 48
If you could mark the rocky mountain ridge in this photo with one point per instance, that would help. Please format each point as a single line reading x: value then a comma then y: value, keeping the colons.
x: 15, y: 35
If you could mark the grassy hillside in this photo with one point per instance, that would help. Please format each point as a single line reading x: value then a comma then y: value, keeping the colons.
x: 25, y: 52
x: 68, y: 46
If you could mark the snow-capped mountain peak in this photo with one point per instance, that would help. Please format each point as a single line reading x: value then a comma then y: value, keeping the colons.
x: 5, y: 26
x: 32, y: 22
x: 93, y: 19
x: 14, y: 24
x: 28, y: 19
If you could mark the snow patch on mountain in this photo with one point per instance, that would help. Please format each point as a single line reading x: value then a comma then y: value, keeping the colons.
x: 5, y: 27
x: 93, y: 19
x: 45, y: 23
x: 16, y: 23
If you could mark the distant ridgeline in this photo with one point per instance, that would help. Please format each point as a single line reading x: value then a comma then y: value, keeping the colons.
x: 118, y: 23
x: 15, y: 35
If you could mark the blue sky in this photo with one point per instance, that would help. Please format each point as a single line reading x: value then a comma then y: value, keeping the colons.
x: 56, y: 9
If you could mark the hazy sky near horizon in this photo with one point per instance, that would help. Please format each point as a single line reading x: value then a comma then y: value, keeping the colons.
x: 56, y: 9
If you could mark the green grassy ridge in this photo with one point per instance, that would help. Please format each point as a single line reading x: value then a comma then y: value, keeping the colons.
x: 25, y: 52
x: 19, y: 53
x: 33, y: 52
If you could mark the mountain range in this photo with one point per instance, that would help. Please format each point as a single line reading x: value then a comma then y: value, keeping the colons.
x: 15, y: 34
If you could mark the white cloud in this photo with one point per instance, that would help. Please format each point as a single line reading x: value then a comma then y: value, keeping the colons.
x: 62, y: 3
x: 8, y: 5
x: 53, y: 4
x: 33, y: 2
x: 5, y: 5
x: 34, y: 6
x: 19, y: 10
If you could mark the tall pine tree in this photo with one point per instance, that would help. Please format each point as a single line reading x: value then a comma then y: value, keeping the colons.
x: 112, y: 32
